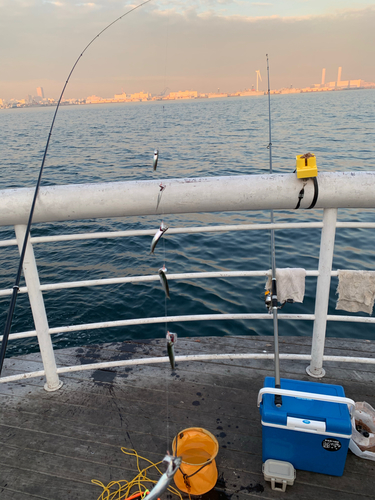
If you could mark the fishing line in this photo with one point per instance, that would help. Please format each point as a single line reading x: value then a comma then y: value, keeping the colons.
x: 167, y: 368
x: 166, y: 52
x: 12, y: 304
x: 165, y: 301
x: 165, y: 298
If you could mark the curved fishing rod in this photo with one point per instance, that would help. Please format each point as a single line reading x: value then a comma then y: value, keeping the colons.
x: 278, y: 401
x: 12, y: 304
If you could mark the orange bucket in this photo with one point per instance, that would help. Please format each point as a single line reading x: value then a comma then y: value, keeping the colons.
x: 198, y: 449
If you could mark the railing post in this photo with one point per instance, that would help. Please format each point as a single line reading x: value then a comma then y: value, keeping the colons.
x: 327, y: 244
x: 39, y: 312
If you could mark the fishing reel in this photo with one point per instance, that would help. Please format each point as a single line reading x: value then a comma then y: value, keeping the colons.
x: 268, y: 301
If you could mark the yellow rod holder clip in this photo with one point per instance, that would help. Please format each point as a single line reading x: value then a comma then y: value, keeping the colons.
x: 306, y: 166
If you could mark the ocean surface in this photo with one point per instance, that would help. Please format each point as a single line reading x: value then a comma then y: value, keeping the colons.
x: 115, y: 142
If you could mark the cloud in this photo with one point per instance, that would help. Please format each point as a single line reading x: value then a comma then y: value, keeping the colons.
x: 153, y: 48
x: 57, y: 4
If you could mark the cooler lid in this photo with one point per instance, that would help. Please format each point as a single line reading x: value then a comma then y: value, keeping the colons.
x: 334, y: 417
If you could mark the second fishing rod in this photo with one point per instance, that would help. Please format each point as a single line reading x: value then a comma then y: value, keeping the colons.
x: 273, y: 305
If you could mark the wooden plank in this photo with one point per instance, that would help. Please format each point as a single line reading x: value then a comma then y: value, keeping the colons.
x: 11, y: 494
x: 202, y: 395
x: 44, y: 486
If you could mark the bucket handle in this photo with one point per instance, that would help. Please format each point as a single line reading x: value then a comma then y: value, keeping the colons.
x: 307, y: 395
x: 185, y: 476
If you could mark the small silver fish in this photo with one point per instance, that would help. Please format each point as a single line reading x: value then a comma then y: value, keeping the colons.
x: 166, y: 479
x: 162, y: 187
x: 159, y: 233
x: 171, y: 342
x: 163, y: 279
x: 155, y: 162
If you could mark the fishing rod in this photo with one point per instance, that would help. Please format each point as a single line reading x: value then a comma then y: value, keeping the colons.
x: 16, y: 287
x: 278, y: 400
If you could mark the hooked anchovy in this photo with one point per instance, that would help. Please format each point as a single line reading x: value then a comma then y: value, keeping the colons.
x: 164, y: 281
x: 155, y: 162
x: 171, y: 342
x: 166, y: 479
x: 162, y: 187
x: 158, y: 235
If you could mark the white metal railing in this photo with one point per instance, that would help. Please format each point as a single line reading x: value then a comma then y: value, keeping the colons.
x: 208, y: 194
x: 284, y: 191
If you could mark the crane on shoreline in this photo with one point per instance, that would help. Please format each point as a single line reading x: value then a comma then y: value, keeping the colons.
x: 258, y: 77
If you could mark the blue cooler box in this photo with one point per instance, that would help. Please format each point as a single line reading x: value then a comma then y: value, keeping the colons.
x: 311, y: 429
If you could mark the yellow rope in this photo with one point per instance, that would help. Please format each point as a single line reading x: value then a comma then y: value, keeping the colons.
x: 121, y: 490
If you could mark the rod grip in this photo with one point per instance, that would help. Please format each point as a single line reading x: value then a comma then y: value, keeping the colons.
x: 274, y: 293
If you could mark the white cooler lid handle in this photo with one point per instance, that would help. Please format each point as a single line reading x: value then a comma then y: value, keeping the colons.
x: 307, y: 395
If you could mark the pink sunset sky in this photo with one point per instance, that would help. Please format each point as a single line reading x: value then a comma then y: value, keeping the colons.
x: 197, y: 45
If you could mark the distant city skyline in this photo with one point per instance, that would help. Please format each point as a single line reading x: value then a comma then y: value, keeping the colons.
x: 338, y: 83
x: 202, y: 45
x: 167, y: 94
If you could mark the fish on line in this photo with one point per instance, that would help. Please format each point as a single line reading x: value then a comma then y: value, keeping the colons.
x: 156, y: 157
x: 171, y: 342
x: 166, y: 479
x: 159, y: 233
x: 163, y: 279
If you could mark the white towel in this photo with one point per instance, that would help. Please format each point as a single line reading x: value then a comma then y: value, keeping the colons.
x: 290, y: 284
x: 356, y: 290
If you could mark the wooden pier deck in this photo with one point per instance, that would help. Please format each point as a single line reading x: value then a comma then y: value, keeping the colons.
x: 53, y: 444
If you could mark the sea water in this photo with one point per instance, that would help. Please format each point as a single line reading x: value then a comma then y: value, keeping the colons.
x: 215, y: 137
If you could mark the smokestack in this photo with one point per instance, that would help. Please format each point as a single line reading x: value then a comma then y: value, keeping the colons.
x: 339, y: 75
x: 323, y: 76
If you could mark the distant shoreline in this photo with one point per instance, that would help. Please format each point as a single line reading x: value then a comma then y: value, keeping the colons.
x: 250, y: 93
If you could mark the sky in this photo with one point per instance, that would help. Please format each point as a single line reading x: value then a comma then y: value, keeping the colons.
x: 202, y: 45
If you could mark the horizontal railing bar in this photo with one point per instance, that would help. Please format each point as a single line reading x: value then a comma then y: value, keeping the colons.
x: 175, y: 230
x: 354, y: 225
x: 351, y: 319
x: 161, y: 319
x: 186, y: 195
x: 181, y: 276
x: 188, y: 230
x: 139, y: 279
x: 175, y: 319
x: 8, y: 243
x: 8, y: 291
x: 21, y: 335
x: 178, y: 359
x: 148, y: 278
